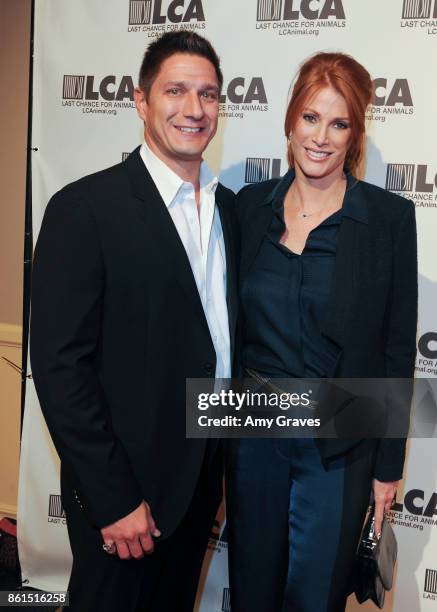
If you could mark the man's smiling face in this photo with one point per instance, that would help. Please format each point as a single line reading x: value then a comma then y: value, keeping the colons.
x: 181, y: 111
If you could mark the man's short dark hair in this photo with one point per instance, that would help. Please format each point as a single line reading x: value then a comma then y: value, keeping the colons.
x: 182, y: 41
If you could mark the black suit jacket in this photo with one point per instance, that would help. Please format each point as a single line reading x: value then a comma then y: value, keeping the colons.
x: 372, y: 309
x: 117, y: 326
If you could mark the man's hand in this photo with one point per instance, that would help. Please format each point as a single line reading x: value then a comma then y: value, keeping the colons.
x: 132, y: 534
x: 383, y: 493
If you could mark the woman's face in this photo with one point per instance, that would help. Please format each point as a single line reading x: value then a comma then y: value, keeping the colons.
x: 321, y: 137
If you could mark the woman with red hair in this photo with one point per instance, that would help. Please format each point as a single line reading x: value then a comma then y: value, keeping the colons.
x: 328, y: 289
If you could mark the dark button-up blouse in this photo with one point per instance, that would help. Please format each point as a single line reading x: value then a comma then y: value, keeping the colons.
x: 284, y: 298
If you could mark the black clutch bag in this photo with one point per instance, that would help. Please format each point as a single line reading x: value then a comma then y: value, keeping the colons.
x: 375, y: 562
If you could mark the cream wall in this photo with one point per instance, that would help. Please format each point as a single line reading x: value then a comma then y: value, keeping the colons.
x: 10, y: 388
x: 14, y: 71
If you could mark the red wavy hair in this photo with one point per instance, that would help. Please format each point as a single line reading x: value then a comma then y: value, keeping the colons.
x: 350, y: 79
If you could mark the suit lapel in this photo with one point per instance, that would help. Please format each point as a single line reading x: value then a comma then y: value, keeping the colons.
x: 342, y: 291
x: 253, y: 237
x: 352, y: 249
x: 257, y: 225
x: 154, y: 213
x: 231, y: 267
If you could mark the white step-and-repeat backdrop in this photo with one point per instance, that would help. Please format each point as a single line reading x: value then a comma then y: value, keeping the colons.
x: 87, y: 56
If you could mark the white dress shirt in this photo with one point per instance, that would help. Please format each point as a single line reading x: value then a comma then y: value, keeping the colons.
x: 202, y: 236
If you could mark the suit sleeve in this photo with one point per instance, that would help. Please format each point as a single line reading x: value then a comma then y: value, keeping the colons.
x: 400, y: 346
x: 68, y: 284
x: 241, y: 222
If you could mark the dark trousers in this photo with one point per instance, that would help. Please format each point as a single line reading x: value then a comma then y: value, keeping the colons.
x: 294, y: 524
x: 163, y: 581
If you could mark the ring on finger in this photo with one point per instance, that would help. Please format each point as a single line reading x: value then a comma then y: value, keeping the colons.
x: 109, y: 547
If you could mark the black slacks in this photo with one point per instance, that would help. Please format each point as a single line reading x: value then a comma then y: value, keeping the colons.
x: 163, y: 581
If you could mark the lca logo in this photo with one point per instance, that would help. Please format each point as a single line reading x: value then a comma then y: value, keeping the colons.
x: 145, y: 12
x: 387, y: 93
x: 238, y: 92
x: 418, y: 9
x: 261, y: 169
x: 269, y: 10
x: 98, y: 96
x: 73, y: 88
x: 430, y: 585
x: 276, y: 10
x: 56, y: 512
x: 409, y: 178
x: 417, y: 503
x: 400, y: 177
x: 242, y: 94
x: 78, y: 87
x: 390, y: 97
x: 55, y: 507
x: 427, y: 345
x: 426, y: 364
x: 140, y: 12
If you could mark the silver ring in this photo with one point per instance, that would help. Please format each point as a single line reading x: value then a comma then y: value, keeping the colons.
x: 109, y: 547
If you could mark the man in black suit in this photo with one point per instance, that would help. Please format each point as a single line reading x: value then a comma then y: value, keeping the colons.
x: 133, y: 292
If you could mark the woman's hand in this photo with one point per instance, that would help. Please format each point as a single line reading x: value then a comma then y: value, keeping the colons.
x: 383, y: 493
